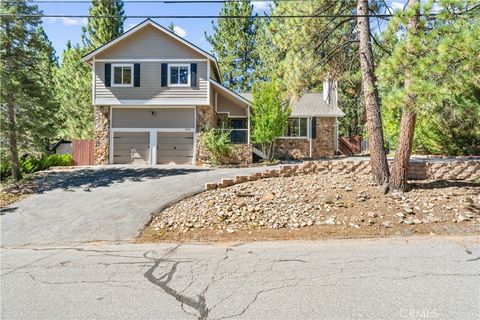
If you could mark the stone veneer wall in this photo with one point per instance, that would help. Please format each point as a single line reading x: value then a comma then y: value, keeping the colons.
x: 468, y: 170
x: 101, y: 132
x: 292, y: 148
x: 207, y: 119
x: 241, y: 154
x: 322, y: 146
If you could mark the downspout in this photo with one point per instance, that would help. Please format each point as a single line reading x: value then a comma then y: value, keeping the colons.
x: 310, y: 139
x: 248, y: 124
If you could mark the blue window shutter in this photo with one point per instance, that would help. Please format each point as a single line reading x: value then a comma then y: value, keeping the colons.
x: 136, y: 75
x: 314, y: 128
x: 193, y: 74
x: 164, y: 74
x: 108, y: 75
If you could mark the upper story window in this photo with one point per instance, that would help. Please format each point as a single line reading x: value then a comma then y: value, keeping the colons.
x: 122, y: 75
x: 296, y: 127
x: 179, y: 75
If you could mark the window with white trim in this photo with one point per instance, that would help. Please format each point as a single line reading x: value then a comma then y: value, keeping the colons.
x: 179, y: 75
x: 296, y: 127
x: 122, y: 75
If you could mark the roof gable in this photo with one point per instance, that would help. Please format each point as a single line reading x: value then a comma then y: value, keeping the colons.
x: 165, y: 32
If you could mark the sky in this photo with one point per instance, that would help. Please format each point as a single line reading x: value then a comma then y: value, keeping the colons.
x: 60, y: 30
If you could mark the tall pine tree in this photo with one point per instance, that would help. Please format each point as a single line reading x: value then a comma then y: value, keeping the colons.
x: 432, y: 78
x: 107, y: 25
x: 74, y: 78
x: 234, y: 44
x: 74, y: 91
x: 28, y: 104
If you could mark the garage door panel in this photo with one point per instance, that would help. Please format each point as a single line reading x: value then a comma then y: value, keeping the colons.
x: 131, y: 147
x: 175, y: 147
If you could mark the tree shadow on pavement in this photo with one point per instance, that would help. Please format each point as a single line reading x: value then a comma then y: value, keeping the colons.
x: 93, y: 178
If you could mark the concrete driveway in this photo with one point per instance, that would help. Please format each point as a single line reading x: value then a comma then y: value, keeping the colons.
x: 104, y: 203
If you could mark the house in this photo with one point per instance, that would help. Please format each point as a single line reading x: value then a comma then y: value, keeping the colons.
x: 154, y: 94
x: 312, y: 129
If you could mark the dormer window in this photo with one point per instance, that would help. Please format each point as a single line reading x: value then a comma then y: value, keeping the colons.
x: 122, y: 75
x: 179, y: 75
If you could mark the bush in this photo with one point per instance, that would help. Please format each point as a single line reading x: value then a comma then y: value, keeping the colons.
x: 217, y: 143
x: 32, y: 164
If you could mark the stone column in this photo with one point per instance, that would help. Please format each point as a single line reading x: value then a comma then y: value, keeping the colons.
x: 324, y: 143
x: 101, y: 132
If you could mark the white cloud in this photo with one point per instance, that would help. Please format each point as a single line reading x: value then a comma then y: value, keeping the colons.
x: 259, y: 5
x: 397, y: 5
x: 66, y: 21
x: 180, y: 31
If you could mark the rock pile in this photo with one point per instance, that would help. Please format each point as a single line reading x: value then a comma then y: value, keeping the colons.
x: 317, y: 198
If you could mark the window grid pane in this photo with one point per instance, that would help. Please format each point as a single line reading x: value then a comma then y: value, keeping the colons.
x: 174, y: 75
x: 303, y: 127
x: 183, y: 79
x: 117, y: 75
x: 127, y: 75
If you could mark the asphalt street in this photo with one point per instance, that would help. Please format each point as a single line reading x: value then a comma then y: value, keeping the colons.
x: 402, y: 278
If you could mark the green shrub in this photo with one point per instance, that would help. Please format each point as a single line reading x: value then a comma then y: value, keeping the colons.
x: 32, y: 164
x: 217, y: 143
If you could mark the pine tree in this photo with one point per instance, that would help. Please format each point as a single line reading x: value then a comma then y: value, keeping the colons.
x: 74, y: 90
x: 28, y: 105
x: 432, y: 75
x: 337, y: 47
x: 171, y: 27
x: 234, y: 44
x: 101, y: 30
x: 398, y: 177
x: 378, y: 157
x: 74, y: 78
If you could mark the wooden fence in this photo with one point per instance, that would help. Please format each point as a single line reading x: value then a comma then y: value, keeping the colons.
x: 82, y: 152
x: 350, y: 146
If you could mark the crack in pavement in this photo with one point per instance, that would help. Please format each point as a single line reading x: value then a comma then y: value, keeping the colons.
x: 199, y: 304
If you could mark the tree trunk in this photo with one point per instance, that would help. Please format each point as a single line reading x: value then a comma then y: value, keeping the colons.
x: 398, y: 179
x: 12, y: 125
x: 378, y: 158
x: 13, y: 139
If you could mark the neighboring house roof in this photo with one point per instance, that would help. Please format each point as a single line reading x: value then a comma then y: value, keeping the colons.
x: 54, y: 146
x: 309, y: 105
x: 230, y: 92
x: 147, y: 22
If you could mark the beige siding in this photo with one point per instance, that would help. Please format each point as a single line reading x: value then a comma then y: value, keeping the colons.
x: 142, y: 118
x: 149, y: 43
x: 227, y: 104
x: 213, y: 74
x: 150, y: 85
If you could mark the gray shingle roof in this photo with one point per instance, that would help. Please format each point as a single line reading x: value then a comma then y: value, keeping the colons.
x: 309, y: 105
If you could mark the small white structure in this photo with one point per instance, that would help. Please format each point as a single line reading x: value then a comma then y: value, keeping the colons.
x: 62, y: 147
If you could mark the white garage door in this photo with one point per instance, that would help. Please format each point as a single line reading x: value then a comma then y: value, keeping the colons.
x: 131, y: 147
x: 175, y: 147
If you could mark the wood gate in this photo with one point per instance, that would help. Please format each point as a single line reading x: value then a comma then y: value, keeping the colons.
x: 82, y: 152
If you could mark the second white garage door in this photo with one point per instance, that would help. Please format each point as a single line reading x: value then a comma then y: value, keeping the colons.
x: 176, y: 147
